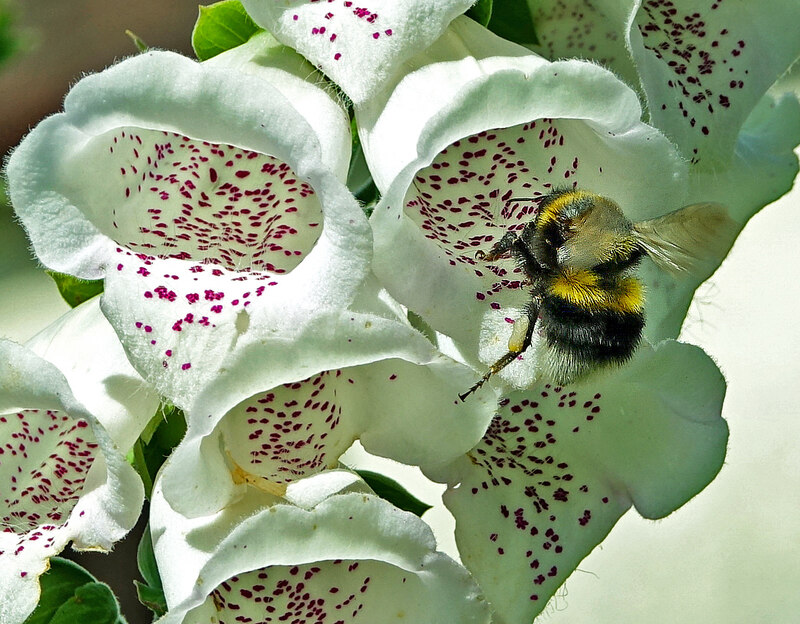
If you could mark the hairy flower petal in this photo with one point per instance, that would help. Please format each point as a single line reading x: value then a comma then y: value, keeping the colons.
x: 329, y: 550
x: 200, y: 193
x: 64, y: 478
x: 559, y: 466
x: 359, y: 45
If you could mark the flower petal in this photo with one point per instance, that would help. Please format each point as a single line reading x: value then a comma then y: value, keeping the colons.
x: 88, y: 353
x: 64, y: 478
x: 705, y: 66
x: 295, y: 78
x: 559, y: 466
x: 283, y: 433
x: 361, y: 46
x: 594, y: 30
x: 350, y: 554
x: 763, y: 169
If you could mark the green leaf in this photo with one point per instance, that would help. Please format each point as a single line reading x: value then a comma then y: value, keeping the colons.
x: 162, y: 434
x: 390, y: 490
x: 513, y: 20
x: 75, y: 291
x: 150, y: 593
x: 136, y: 458
x: 221, y: 26
x: 70, y: 594
x: 418, y: 323
x: 359, y: 179
x: 481, y: 12
x: 93, y: 602
x: 152, y: 598
x: 146, y: 560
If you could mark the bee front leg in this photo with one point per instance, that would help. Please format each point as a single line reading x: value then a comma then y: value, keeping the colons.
x: 500, y: 248
x: 519, y: 340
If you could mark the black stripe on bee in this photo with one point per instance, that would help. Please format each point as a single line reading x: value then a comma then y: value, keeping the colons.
x: 593, y: 336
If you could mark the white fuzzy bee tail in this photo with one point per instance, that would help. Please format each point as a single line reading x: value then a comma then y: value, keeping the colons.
x: 687, y: 239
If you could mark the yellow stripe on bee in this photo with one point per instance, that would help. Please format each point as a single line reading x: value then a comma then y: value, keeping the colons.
x: 628, y: 296
x: 582, y: 288
x: 551, y: 211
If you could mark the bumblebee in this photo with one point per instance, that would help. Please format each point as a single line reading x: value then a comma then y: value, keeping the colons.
x: 579, y: 254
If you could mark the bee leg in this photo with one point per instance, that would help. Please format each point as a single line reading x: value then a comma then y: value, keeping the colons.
x: 500, y: 248
x: 519, y: 340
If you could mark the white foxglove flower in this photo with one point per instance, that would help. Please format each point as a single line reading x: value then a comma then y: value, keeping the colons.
x: 208, y: 203
x: 499, y: 125
x: 70, y: 407
x: 330, y: 551
x: 402, y: 403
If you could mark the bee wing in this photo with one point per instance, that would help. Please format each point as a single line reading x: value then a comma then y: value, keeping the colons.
x: 688, y: 238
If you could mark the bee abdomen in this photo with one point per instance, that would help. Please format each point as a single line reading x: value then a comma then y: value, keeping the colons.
x: 587, y: 324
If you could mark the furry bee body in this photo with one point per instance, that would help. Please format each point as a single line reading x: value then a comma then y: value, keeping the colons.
x: 579, y: 254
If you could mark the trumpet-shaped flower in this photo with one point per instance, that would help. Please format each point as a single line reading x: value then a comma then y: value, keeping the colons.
x: 210, y: 205
x: 329, y: 551
x: 500, y: 129
x: 402, y: 404
x: 70, y: 406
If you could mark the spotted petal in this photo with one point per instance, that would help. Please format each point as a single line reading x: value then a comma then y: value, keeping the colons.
x: 277, y: 434
x: 330, y: 552
x: 64, y: 478
x: 595, y: 30
x: 358, y: 45
x: 208, y: 202
x: 703, y: 66
x: 559, y: 466
x: 497, y: 128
